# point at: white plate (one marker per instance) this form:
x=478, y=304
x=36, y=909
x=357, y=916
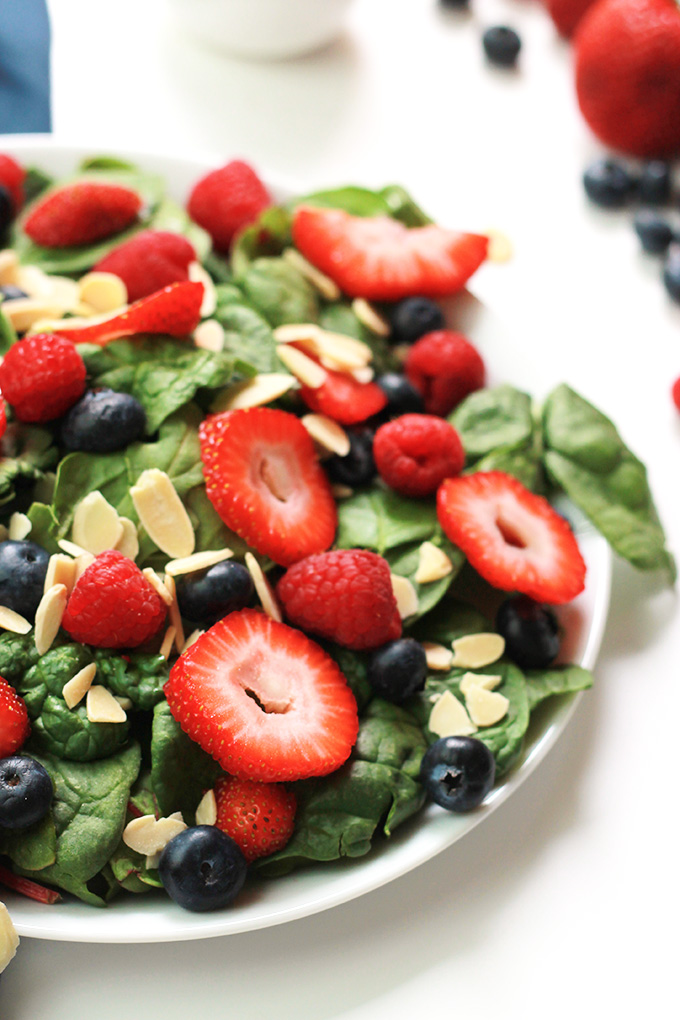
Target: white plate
x=157, y=919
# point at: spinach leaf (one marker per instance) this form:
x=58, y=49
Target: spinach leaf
x=17, y=655
x=402, y=206
x=546, y=683
x=139, y=676
x=449, y=621
x=248, y=337
x=352, y=199
x=181, y=771
x=279, y=292
x=268, y=235
x=354, y=667
x=380, y=519
x=33, y=848
x=404, y=560
x=127, y=866
x=43, y=526
x=27, y=453
x=35, y=182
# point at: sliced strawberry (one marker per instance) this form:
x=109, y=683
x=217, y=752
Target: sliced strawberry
x=380, y=259
x=265, y=701
x=264, y=479
x=512, y=537
x=175, y=310
x=342, y=397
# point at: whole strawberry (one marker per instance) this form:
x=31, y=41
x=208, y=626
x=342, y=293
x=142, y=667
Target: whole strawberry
x=12, y=177
x=149, y=261
x=14, y=724
x=81, y=213
x=41, y=377
x=227, y=200
x=258, y=816
x=628, y=75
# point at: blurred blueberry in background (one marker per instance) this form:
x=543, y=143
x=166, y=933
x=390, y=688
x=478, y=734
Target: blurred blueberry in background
x=24, y=67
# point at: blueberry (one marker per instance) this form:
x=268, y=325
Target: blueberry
x=103, y=421
x=23, y=566
x=608, y=183
x=398, y=669
x=654, y=184
x=414, y=317
x=11, y=293
x=654, y=231
x=207, y=595
x=531, y=632
x=671, y=271
x=6, y=210
x=357, y=467
x=455, y=5
x=402, y=396
x=25, y=792
x=501, y=45
x=202, y=868
x=458, y=772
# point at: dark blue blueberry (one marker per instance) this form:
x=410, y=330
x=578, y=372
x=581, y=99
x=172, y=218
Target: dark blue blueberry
x=414, y=317
x=402, y=396
x=12, y=293
x=207, y=595
x=654, y=231
x=398, y=669
x=6, y=210
x=23, y=566
x=501, y=45
x=455, y=5
x=671, y=271
x=357, y=467
x=103, y=421
x=25, y=792
x=202, y=868
x=531, y=632
x=458, y=772
x=655, y=183
x=608, y=183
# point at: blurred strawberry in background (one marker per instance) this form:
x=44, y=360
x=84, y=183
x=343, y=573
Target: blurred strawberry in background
x=566, y=14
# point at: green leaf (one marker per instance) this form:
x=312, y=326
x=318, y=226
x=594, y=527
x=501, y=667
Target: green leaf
x=127, y=866
x=279, y=292
x=546, y=683
x=31, y=849
x=35, y=182
x=43, y=527
x=352, y=199
x=380, y=519
x=17, y=655
x=449, y=621
x=139, y=676
x=181, y=771
x=248, y=337
x=269, y=235
x=402, y=206
x=490, y=419
x=27, y=452
x=354, y=667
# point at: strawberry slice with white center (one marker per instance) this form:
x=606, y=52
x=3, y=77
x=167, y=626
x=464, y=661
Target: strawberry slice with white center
x=380, y=259
x=264, y=479
x=512, y=537
x=266, y=702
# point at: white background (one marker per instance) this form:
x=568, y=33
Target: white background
x=564, y=902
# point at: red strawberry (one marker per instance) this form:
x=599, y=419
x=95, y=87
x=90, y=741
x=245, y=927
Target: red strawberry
x=416, y=452
x=12, y=177
x=380, y=259
x=149, y=261
x=266, y=702
x=81, y=213
x=566, y=14
x=345, y=595
x=175, y=310
x=264, y=479
x=259, y=817
x=342, y=397
x=444, y=367
x=628, y=75
x=42, y=376
x=113, y=605
x=512, y=537
x=227, y=200
x=14, y=724
x=675, y=393
x=3, y=417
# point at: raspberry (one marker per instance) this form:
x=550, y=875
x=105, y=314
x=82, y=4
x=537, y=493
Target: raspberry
x=259, y=817
x=226, y=200
x=12, y=179
x=149, y=261
x=113, y=605
x=416, y=452
x=444, y=367
x=14, y=724
x=41, y=377
x=345, y=595
x=81, y=213
x=675, y=392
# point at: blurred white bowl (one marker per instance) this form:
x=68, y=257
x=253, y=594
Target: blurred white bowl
x=262, y=28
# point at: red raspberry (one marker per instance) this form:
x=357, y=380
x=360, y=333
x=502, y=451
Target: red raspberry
x=42, y=376
x=14, y=724
x=444, y=367
x=81, y=213
x=259, y=817
x=345, y=595
x=12, y=178
x=416, y=452
x=226, y=200
x=113, y=605
x=675, y=392
x=149, y=261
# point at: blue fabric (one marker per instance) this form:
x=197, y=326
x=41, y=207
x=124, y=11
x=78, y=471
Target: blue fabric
x=24, y=67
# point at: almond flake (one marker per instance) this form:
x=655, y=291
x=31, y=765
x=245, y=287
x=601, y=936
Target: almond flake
x=82, y=562
x=198, y=274
x=26, y=312
x=303, y=368
x=128, y=543
x=125, y=703
x=198, y=561
x=102, y=707
x=296, y=332
x=48, y=616
x=71, y=548
x=327, y=433
x=77, y=687
x=473, y=651
x=405, y=594
x=485, y=680
x=437, y=656
x=19, y=527
x=343, y=352
x=192, y=639
x=167, y=643
x=486, y=708
x=341, y=491
x=448, y=718
x=61, y=569
x=363, y=375
x=9, y=940
x=9, y=620
x=206, y=812
x=500, y=246
x=149, y=835
x=209, y=335
x=103, y=292
x=8, y=266
x=369, y=316
x=261, y=389
x=155, y=581
x=433, y=564
x=263, y=588
x=96, y=524
x=326, y=287
x=163, y=514
x=174, y=613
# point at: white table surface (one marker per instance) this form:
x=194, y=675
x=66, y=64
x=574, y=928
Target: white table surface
x=564, y=902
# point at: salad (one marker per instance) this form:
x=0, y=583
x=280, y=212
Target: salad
x=278, y=567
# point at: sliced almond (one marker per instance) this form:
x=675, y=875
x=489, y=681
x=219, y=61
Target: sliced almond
x=198, y=275
x=433, y=564
x=168, y=642
x=8, y=267
x=163, y=514
x=330, y=436
x=193, y=637
x=326, y=287
x=125, y=703
x=500, y=246
x=197, y=561
x=449, y=718
x=61, y=569
x=209, y=335
x=9, y=940
x=60, y=292
x=156, y=582
x=363, y=375
x=103, y=292
x=206, y=812
x=296, y=332
x=303, y=368
x=256, y=392
x=82, y=562
x=19, y=527
x=173, y=612
x=128, y=543
x=341, y=491
x=149, y=835
x=26, y=312
x=264, y=590
x=437, y=656
x=486, y=708
x=9, y=620
x=369, y=316
x=343, y=352
x=474, y=651
x=405, y=594
x=77, y=687
x=71, y=548
x=102, y=707
x=486, y=680
x=96, y=524
x=48, y=616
